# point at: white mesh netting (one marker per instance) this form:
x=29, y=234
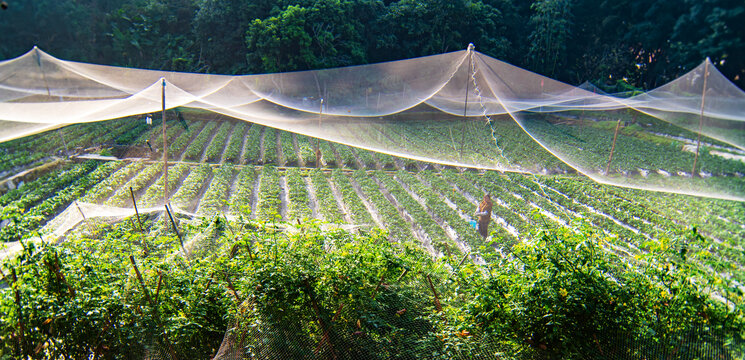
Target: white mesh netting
x=461, y=109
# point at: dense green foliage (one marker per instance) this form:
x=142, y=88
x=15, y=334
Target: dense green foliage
x=294, y=293
x=614, y=43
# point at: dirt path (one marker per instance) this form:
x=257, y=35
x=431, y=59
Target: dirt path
x=449, y=231
x=418, y=232
x=227, y=141
x=284, y=197
x=281, y=161
x=205, y=185
x=203, y=155
x=295, y=146
x=255, y=195
x=365, y=201
x=314, y=208
x=261, y=145
x=242, y=156
x=231, y=189
x=191, y=139
x=340, y=201
x=339, y=160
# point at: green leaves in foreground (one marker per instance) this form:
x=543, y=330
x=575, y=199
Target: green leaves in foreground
x=308, y=293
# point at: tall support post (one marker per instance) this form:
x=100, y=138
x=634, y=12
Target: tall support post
x=613, y=147
x=318, y=141
x=67, y=152
x=701, y=118
x=465, y=104
x=165, y=142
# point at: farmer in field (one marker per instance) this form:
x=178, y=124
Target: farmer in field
x=484, y=215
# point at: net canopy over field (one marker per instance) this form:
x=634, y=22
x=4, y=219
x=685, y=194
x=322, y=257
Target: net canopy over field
x=461, y=109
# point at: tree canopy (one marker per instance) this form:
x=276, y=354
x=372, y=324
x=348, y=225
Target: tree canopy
x=616, y=44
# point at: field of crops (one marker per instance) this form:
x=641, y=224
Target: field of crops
x=233, y=168
x=247, y=172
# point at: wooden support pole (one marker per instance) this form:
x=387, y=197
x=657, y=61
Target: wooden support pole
x=165, y=143
x=176, y=229
x=21, y=324
x=465, y=104
x=463, y=259
x=321, y=323
x=142, y=282
x=232, y=288
x=155, y=309
x=83, y=215
x=137, y=212
x=375, y=292
x=318, y=141
x=613, y=147
x=160, y=282
x=438, y=306
x=701, y=118
x=67, y=152
x=406, y=271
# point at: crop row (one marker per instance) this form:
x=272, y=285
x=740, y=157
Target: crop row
x=235, y=146
x=393, y=221
x=186, y=196
x=439, y=209
x=299, y=202
x=196, y=147
x=240, y=200
x=176, y=147
x=270, y=146
x=154, y=194
x=327, y=204
x=215, y=148
x=22, y=223
x=421, y=218
x=34, y=192
x=108, y=186
x=216, y=197
x=288, y=149
x=252, y=152
x=357, y=210
x=307, y=150
x=123, y=197
x=269, y=191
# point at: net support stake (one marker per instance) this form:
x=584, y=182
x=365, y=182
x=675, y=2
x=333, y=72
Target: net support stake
x=701, y=118
x=613, y=147
x=150, y=301
x=137, y=212
x=463, y=259
x=437, y=298
x=465, y=104
x=165, y=142
x=21, y=325
x=67, y=151
x=84, y=218
x=176, y=229
x=318, y=141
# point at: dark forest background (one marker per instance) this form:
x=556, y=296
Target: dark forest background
x=616, y=44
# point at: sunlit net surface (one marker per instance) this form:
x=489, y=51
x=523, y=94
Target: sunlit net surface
x=460, y=109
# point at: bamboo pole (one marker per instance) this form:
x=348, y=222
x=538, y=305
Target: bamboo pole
x=465, y=104
x=137, y=212
x=613, y=147
x=701, y=118
x=165, y=142
x=318, y=141
x=154, y=305
x=438, y=306
x=176, y=229
x=21, y=325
